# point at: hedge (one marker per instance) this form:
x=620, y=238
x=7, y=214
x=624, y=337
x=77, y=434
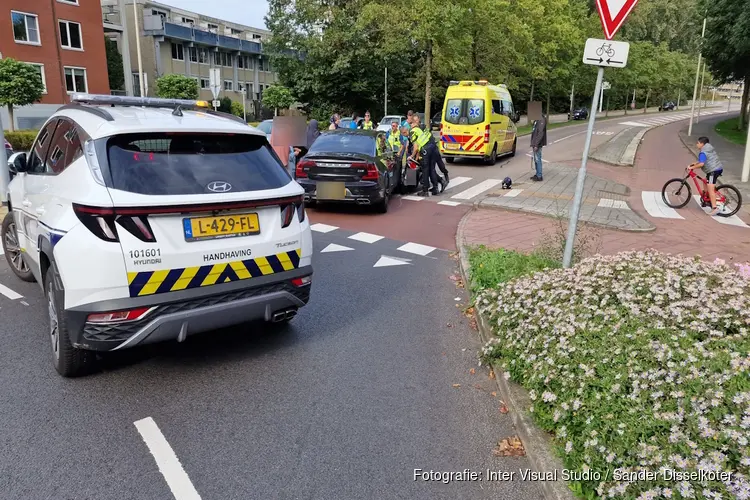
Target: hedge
x=21, y=140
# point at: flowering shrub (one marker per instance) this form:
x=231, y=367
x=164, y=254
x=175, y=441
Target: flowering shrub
x=636, y=362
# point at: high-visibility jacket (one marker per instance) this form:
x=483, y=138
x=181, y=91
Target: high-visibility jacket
x=423, y=138
x=367, y=125
x=414, y=134
x=394, y=140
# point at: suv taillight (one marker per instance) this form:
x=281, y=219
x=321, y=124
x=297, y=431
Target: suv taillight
x=487, y=134
x=288, y=212
x=101, y=222
x=300, y=171
x=372, y=171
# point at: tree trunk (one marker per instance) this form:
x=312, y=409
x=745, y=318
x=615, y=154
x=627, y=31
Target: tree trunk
x=428, y=83
x=275, y=111
x=743, y=109
x=11, y=125
x=627, y=103
x=531, y=97
x=572, y=101
x=645, y=107
x=549, y=99
x=607, y=113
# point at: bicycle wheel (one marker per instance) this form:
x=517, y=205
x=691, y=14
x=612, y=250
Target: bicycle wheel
x=733, y=200
x=676, y=193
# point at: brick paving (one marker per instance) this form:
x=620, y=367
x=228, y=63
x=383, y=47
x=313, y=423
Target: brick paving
x=662, y=156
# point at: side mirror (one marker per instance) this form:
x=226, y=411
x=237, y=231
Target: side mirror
x=17, y=163
x=516, y=117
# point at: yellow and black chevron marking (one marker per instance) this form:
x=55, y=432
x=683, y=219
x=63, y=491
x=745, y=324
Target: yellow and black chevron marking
x=172, y=280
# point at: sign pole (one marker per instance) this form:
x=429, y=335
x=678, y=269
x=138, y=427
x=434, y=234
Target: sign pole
x=697, y=77
x=244, y=105
x=138, y=51
x=746, y=163
x=700, y=97
x=578, y=198
x=4, y=174
x=385, y=110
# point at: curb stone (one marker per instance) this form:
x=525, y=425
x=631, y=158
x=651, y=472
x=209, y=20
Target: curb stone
x=628, y=159
x=537, y=443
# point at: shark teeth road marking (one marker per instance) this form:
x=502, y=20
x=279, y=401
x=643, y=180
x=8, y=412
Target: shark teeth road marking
x=656, y=207
x=323, y=228
x=449, y=203
x=386, y=261
x=168, y=463
x=412, y=198
x=333, y=247
x=417, y=249
x=729, y=221
x=9, y=293
x=366, y=237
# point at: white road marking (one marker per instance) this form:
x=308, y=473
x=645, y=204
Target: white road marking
x=513, y=193
x=457, y=182
x=1, y=251
x=323, y=228
x=333, y=247
x=635, y=124
x=417, y=249
x=729, y=221
x=531, y=156
x=366, y=237
x=449, y=203
x=412, y=198
x=168, y=463
x=9, y=293
x=391, y=261
x=477, y=189
x=608, y=203
x=24, y=303
x=656, y=207
x=568, y=137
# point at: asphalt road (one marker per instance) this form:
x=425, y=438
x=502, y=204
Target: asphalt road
x=345, y=402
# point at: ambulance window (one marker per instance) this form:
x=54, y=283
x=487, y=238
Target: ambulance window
x=475, y=111
x=507, y=108
x=497, y=107
x=454, y=110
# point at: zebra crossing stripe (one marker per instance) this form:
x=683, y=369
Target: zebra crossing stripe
x=656, y=207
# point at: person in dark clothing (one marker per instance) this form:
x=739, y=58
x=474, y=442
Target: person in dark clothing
x=538, y=141
x=312, y=132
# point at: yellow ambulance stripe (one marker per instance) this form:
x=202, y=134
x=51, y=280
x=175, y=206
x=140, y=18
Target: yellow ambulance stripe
x=184, y=280
x=153, y=284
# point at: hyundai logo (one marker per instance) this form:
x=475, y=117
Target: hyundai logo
x=219, y=187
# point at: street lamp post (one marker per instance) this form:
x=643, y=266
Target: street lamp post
x=244, y=103
x=138, y=49
x=700, y=98
x=4, y=174
x=697, y=77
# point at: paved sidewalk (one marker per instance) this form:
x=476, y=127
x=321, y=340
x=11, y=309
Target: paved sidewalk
x=621, y=150
x=604, y=201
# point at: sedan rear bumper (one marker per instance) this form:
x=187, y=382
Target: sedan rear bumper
x=360, y=193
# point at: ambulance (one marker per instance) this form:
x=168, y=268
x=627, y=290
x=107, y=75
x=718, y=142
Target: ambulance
x=478, y=121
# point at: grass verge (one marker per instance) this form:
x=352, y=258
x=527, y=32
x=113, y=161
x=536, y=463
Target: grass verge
x=729, y=130
x=492, y=267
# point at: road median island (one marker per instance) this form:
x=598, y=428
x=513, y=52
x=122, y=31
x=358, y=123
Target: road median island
x=615, y=373
x=620, y=151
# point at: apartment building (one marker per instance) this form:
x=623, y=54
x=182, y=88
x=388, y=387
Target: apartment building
x=174, y=40
x=64, y=40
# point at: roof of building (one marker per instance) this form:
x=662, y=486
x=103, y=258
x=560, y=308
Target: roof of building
x=203, y=17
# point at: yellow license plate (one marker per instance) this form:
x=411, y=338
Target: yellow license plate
x=330, y=191
x=450, y=145
x=223, y=226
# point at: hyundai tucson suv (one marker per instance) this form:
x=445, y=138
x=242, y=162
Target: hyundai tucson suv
x=148, y=220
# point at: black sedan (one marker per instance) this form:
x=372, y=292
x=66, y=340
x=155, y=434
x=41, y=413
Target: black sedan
x=349, y=166
x=668, y=106
x=580, y=114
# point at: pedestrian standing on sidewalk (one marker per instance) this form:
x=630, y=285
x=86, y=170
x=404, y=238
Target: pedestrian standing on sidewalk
x=538, y=141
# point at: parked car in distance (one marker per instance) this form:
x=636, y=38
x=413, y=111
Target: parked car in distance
x=436, y=119
x=668, y=106
x=266, y=126
x=385, y=123
x=348, y=166
x=580, y=114
x=346, y=122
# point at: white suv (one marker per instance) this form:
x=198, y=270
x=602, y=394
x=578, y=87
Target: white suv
x=147, y=220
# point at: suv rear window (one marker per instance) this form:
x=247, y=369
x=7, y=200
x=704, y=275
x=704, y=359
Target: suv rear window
x=344, y=143
x=464, y=111
x=173, y=164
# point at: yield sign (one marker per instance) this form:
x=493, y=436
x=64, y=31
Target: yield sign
x=613, y=14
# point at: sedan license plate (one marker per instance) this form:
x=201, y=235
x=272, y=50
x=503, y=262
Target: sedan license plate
x=223, y=226
x=330, y=191
x=450, y=145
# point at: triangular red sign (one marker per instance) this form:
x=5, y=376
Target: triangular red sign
x=613, y=14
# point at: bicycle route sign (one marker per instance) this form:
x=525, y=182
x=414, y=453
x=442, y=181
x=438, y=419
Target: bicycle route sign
x=613, y=14
x=606, y=53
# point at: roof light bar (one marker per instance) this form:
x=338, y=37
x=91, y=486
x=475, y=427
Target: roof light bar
x=151, y=102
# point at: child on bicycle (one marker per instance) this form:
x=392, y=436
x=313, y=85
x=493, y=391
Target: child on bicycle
x=708, y=161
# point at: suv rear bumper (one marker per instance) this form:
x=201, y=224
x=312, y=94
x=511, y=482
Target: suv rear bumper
x=177, y=314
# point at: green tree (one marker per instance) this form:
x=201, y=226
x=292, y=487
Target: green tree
x=225, y=105
x=277, y=96
x=20, y=85
x=114, y=65
x=237, y=109
x=176, y=86
x=727, y=45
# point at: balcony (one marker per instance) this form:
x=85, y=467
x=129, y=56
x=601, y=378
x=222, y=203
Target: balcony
x=111, y=19
x=157, y=26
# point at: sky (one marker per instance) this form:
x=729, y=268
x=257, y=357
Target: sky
x=247, y=12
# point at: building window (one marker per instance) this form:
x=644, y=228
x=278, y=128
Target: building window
x=193, y=53
x=205, y=83
x=75, y=80
x=203, y=56
x=228, y=85
x=159, y=13
x=70, y=35
x=25, y=27
x=71, y=2
x=235, y=32
x=187, y=20
x=178, y=52
x=256, y=37
x=224, y=59
x=213, y=27
x=40, y=68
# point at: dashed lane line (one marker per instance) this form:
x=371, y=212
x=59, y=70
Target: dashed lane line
x=169, y=465
x=4, y=290
x=366, y=237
